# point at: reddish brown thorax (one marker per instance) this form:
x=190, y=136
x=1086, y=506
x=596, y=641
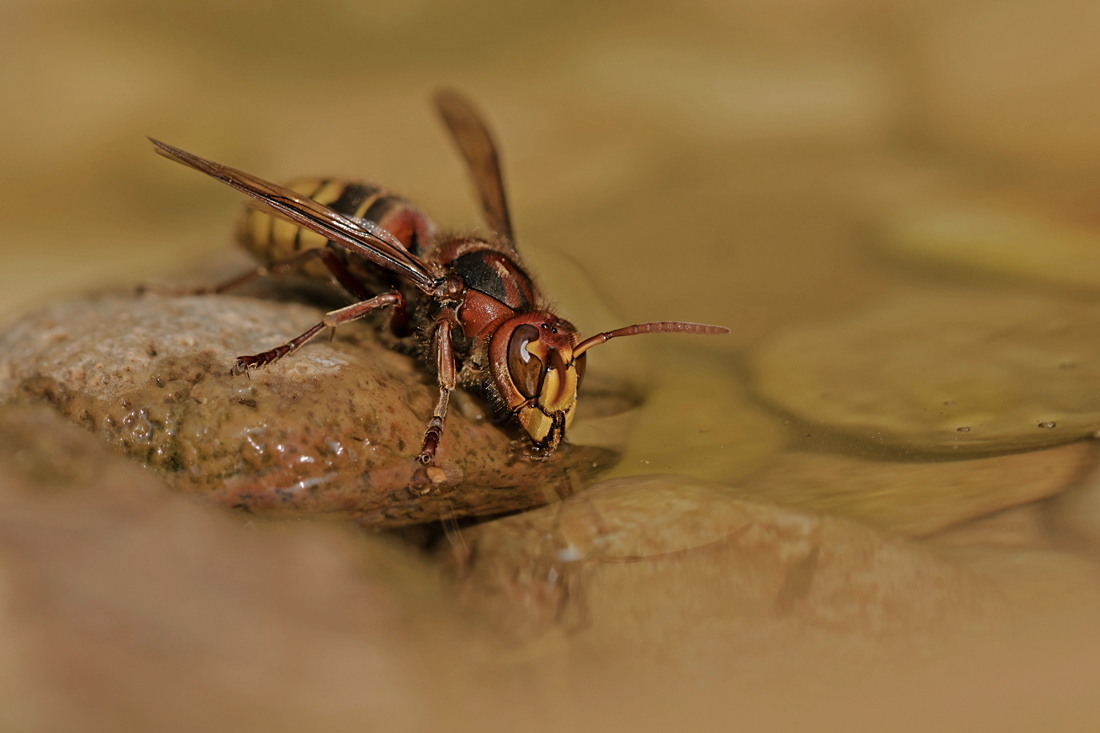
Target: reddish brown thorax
x=530, y=349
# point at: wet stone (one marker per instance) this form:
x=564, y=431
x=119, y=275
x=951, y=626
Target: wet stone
x=126, y=607
x=331, y=430
x=919, y=498
x=947, y=371
x=1038, y=580
x=669, y=563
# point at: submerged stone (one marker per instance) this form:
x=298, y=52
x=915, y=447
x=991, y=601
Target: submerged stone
x=948, y=371
x=919, y=498
x=1075, y=514
x=1024, y=527
x=333, y=429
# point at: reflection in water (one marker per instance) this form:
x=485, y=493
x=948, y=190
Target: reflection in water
x=892, y=207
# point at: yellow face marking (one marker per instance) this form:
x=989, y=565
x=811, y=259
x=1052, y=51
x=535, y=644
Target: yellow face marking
x=559, y=386
x=535, y=422
x=558, y=396
x=569, y=415
x=559, y=390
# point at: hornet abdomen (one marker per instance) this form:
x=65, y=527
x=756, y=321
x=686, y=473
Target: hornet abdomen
x=270, y=239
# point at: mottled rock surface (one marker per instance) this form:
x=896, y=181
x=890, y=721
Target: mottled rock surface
x=125, y=607
x=672, y=564
x=333, y=429
x=944, y=371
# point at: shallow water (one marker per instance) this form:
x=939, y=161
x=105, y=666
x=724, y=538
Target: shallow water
x=764, y=167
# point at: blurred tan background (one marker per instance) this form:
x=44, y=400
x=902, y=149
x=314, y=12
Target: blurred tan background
x=714, y=161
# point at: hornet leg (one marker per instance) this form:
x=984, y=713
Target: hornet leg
x=445, y=368
x=332, y=320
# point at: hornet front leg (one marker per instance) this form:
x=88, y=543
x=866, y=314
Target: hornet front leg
x=443, y=348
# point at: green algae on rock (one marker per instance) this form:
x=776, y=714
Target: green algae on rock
x=332, y=430
x=943, y=371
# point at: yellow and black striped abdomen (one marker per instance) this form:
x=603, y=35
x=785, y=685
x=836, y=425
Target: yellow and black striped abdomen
x=271, y=239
